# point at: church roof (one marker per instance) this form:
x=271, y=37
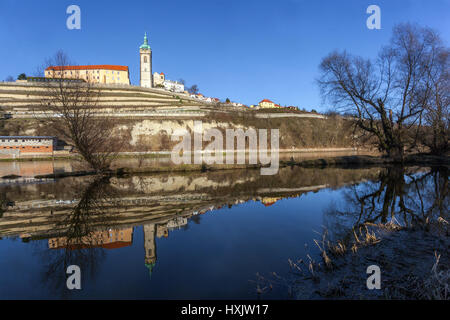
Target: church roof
x=27, y=137
x=91, y=67
x=145, y=44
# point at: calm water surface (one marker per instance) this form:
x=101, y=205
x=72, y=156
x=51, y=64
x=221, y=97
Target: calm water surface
x=197, y=235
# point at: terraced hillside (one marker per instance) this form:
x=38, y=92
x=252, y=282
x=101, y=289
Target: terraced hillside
x=147, y=118
x=21, y=100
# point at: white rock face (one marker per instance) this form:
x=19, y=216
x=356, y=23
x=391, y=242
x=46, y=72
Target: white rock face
x=155, y=127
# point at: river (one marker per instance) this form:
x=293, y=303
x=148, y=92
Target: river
x=198, y=235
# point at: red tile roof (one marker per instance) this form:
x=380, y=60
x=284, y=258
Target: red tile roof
x=266, y=100
x=102, y=66
x=116, y=245
x=111, y=245
x=162, y=73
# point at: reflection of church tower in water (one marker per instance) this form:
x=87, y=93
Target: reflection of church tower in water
x=149, y=246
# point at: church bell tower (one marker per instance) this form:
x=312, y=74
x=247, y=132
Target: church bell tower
x=146, y=79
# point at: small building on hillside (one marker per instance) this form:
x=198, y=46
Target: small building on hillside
x=27, y=144
x=266, y=103
x=160, y=81
x=108, y=74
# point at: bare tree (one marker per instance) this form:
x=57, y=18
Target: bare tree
x=69, y=107
x=193, y=89
x=435, y=134
x=386, y=97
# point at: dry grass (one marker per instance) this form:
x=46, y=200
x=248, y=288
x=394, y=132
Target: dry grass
x=436, y=286
x=401, y=251
x=336, y=273
x=362, y=237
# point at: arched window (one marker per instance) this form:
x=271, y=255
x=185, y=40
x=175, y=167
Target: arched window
x=145, y=59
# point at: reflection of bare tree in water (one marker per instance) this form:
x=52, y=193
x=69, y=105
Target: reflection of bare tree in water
x=79, y=241
x=3, y=204
x=428, y=196
x=407, y=198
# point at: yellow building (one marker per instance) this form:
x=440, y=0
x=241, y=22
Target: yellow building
x=108, y=239
x=108, y=74
x=266, y=103
x=268, y=201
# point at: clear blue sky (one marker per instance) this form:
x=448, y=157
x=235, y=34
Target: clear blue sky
x=242, y=49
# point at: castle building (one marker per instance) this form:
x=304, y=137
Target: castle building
x=108, y=239
x=108, y=74
x=146, y=78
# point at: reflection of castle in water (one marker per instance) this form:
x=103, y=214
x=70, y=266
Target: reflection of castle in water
x=108, y=239
x=119, y=238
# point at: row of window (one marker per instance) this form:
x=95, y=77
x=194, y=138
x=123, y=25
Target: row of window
x=24, y=147
x=87, y=71
x=23, y=140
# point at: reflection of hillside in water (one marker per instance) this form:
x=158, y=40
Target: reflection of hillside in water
x=40, y=210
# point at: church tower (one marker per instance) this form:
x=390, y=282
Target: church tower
x=145, y=52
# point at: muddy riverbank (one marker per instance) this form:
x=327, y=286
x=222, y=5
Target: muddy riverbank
x=414, y=264
x=341, y=161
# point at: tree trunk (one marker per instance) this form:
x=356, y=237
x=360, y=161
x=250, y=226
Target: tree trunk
x=396, y=153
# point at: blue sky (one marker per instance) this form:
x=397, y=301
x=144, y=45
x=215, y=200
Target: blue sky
x=241, y=49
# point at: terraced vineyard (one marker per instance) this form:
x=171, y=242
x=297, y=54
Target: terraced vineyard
x=21, y=100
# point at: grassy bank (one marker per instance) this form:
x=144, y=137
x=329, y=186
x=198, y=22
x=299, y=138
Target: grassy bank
x=413, y=261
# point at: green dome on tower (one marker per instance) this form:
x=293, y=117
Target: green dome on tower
x=145, y=44
x=150, y=266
